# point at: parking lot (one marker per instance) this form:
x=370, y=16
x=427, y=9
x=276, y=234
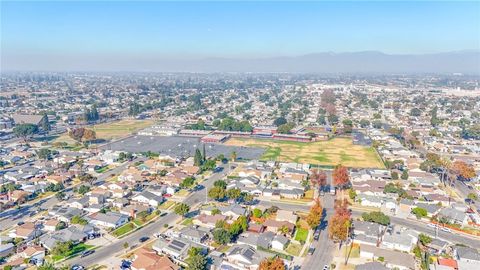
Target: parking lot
x=181, y=147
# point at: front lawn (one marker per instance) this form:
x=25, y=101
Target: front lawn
x=74, y=251
x=301, y=235
x=294, y=249
x=187, y=222
x=123, y=229
x=182, y=193
x=166, y=205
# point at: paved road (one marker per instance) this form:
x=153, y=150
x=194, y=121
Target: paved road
x=11, y=217
x=324, y=247
x=105, y=252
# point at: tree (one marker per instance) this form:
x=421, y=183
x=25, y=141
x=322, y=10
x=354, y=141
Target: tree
x=234, y=193
x=352, y=194
x=404, y=175
x=196, y=260
x=182, y=209
x=318, y=178
x=415, y=112
x=280, y=121
x=472, y=196
x=347, y=125
x=340, y=176
x=424, y=239
x=285, y=128
x=257, y=213
x=217, y=193
x=60, y=196
x=419, y=212
x=60, y=225
x=315, y=214
x=220, y=183
x=87, y=178
x=364, y=123
x=275, y=263
x=463, y=170
x=25, y=131
x=395, y=175
x=82, y=134
x=61, y=248
x=221, y=236
x=377, y=217
x=125, y=245
x=338, y=227
x=82, y=190
x=44, y=123
x=44, y=153
x=78, y=220
x=197, y=159
x=187, y=182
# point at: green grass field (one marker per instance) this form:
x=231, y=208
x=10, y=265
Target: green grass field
x=332, y=152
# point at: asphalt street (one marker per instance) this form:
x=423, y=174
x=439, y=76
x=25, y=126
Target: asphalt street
x=105, y=252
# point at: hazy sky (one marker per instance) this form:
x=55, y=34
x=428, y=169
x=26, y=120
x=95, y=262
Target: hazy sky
x=53, y=34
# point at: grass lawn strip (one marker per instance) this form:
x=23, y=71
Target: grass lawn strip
x=301, y=234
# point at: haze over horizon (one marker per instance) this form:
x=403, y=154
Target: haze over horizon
x=241, y=36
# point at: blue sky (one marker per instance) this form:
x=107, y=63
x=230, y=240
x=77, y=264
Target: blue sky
x=235, y=29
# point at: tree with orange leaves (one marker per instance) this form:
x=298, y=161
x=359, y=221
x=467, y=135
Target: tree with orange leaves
x=341, y=207
x=315, y=214
x=275, y=263
x=339, y=223
x=318, y=178
x=340, y=176
x=463, y=170
x=338, y=227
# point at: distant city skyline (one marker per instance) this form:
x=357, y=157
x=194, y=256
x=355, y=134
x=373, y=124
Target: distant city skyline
x=85, y=35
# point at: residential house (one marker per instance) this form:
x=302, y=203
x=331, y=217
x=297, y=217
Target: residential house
x=146, y=259
x=148, y=198
x=392, y=259
x=110, y=219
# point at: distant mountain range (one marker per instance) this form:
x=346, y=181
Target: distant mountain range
x=367, y=62
x=467, y=62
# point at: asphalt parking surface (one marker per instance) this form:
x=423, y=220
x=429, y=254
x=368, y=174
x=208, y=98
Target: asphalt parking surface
x=180, y=146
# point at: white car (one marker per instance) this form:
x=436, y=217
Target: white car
x=432, y=225
x=446, y=229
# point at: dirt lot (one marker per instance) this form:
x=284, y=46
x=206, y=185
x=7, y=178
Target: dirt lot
x=331, y=152
x=114, y=130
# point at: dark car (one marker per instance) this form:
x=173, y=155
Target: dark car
x=198, y=187
x=77, y=267
x=218, y=169
x=311, y=250
x=143, y=239
x=20, y=223
x=87, y=252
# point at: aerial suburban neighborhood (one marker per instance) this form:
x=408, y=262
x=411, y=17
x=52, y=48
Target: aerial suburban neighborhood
x=223, y=171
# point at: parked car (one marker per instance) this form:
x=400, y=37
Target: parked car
x=87, y=252
x=143, y=239
x=311, y=250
